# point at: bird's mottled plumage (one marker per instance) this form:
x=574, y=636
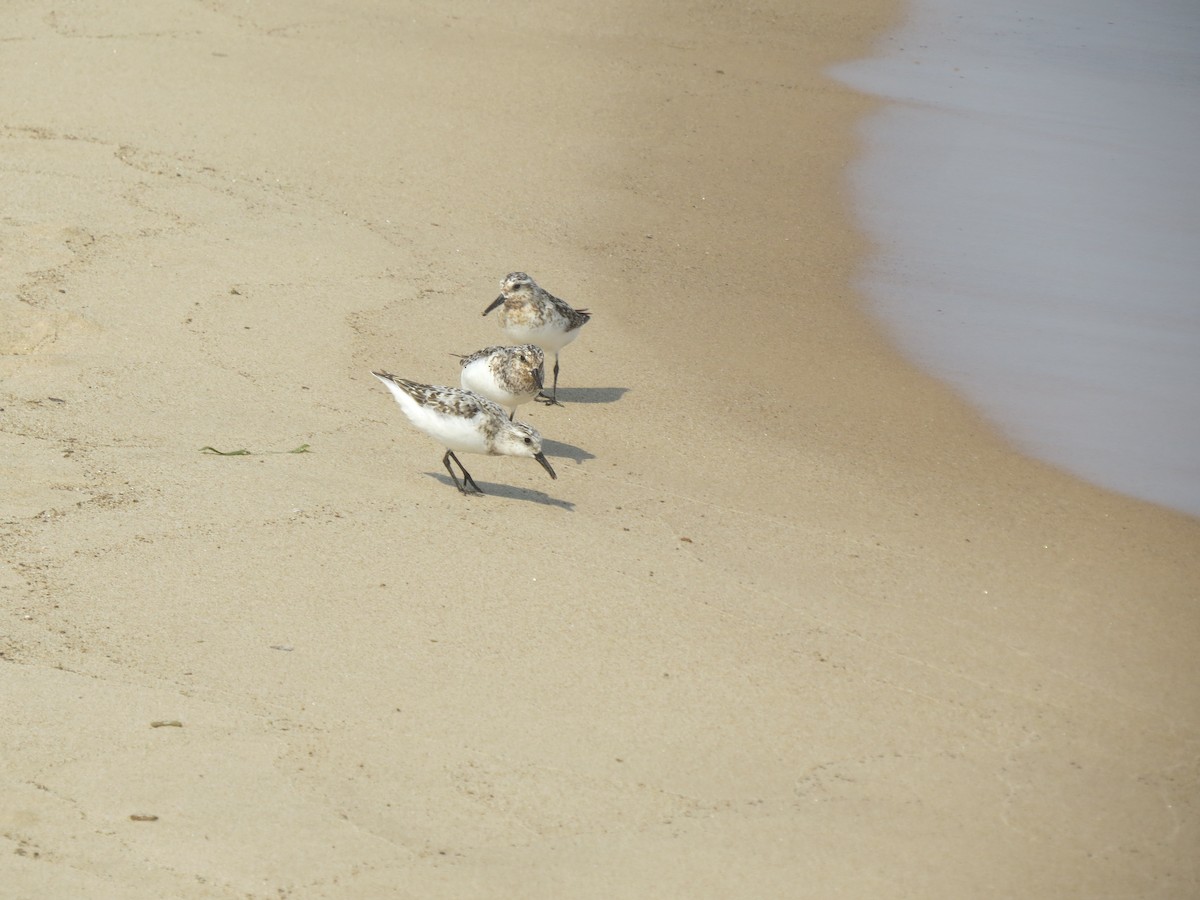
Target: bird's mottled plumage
x=530, y=314
x=464, y=421
x=509, y=376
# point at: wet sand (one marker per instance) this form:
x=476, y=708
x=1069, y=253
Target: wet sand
x=792, y=621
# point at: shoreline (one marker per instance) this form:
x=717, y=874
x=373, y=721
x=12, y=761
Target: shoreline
x=791, y=614
x=1028, y=192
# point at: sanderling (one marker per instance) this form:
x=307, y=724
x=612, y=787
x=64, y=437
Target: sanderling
x=464, y=421
x=530, y=314
x=509, y=376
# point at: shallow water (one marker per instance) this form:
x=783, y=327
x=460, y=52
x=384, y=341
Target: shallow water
x=1033, y=190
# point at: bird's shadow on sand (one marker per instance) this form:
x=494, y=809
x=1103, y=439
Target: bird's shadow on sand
x=508, y=491
x=591, y=395
x=557, y=449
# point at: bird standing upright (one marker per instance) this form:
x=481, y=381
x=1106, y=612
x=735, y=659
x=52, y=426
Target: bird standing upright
x=531, y=315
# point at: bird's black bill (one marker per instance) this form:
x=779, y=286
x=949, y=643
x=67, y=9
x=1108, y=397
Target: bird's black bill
x=541, y=457
x=538, y=380
x=494, y=304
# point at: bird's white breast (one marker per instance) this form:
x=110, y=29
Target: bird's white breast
x=551, y=335
x=477, y=376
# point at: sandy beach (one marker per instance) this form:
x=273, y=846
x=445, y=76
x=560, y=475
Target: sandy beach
x=792, y=621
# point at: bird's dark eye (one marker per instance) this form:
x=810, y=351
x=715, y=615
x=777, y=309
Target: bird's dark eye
x=528, y=441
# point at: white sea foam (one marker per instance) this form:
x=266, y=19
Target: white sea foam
x=1033, y=191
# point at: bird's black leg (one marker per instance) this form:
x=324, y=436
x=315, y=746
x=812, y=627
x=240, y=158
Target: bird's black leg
x=552, y=400
x=446, y=463
x=466, y=475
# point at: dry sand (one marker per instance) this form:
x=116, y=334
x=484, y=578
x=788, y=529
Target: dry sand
x=792, y=621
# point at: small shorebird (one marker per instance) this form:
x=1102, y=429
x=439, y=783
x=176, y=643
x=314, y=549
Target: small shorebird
x=532, y=315
x=509, y=376
x=461, y=420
